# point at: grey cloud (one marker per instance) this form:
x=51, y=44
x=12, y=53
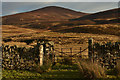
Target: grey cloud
x=60, y=1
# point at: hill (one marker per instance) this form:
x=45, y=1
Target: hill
x=50, y=13
x=104, y=17
x=55, y=24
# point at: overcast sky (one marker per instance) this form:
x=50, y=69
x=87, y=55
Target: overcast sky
x=9, y=8
x=60, y=0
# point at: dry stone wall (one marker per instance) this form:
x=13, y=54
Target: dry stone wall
x=14, y=57
x=19, y=57
x=106, y=54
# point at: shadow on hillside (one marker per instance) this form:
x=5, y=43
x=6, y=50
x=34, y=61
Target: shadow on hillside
x=92, y=30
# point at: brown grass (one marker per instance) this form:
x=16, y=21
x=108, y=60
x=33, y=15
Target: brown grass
x=61, y=40
x=91, y=70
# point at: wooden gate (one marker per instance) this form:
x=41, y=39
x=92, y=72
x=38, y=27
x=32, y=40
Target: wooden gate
x=68, y=55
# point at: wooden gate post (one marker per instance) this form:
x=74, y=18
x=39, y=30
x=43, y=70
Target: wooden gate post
x=62, y=54
x=71, y=54
x=41, y=54
x=53, y=55
x=90, y=47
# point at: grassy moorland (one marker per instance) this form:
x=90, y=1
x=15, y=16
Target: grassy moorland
x=14, y=35
x=61, y=37
x=67, y=29
x=63, y=72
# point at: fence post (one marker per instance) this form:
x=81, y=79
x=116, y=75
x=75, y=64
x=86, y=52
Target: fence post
x=44, y=48
x=41, y=54
x=71, y=54
x=90, y=47
x=53, y=55
x=80, y=49
x=80, y=52
x=62, y=54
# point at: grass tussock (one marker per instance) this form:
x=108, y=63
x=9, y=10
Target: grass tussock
x=46, y=67
x=90, y=70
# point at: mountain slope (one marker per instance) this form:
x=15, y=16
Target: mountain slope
x=50, y=13
x=102, y=17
